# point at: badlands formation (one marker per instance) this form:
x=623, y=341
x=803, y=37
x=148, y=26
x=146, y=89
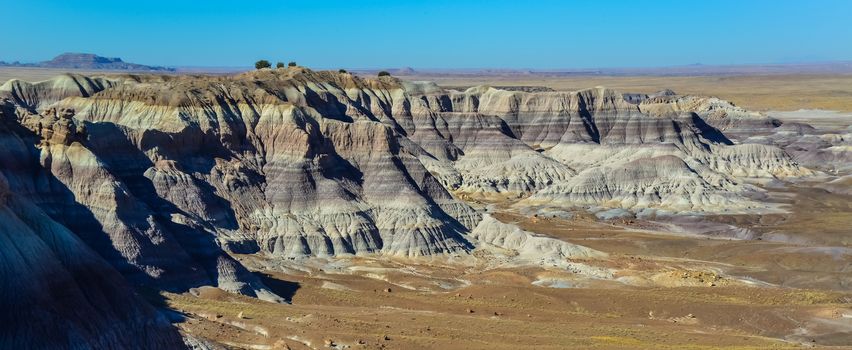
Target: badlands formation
x=171, y=185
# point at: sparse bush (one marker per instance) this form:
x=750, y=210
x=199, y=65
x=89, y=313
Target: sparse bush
x=292, y=64
x=262, y=64
x=279, y=65
x=384, y=74
x=342, y=71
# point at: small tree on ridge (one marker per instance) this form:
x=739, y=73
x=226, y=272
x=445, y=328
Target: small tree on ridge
x=262, y=64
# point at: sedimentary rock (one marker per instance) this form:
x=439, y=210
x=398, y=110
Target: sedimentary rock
x=55, y=291
x=665, y=181
x=736, y=122
x=293, y=163
x=166, y=178
x=41, y=94
x=527, y=246
x=49, y=163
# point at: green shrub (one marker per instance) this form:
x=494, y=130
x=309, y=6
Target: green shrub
x=262, y=64
x=279, y=65
x=384, y=74
x=342, y=71
x=292, y=64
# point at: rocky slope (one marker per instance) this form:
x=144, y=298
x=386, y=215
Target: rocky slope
x=293, y=162
x=55, y=291
x=735, y=122
x=598, y=131
x=32, y=95
x=828, y=150
x=527, y=247
x=166, y=177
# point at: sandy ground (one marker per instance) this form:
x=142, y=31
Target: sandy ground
x=503, y=309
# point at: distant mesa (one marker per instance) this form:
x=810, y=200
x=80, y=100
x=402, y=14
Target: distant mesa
x=87, y=61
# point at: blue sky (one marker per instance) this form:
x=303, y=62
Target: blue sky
x=432, y=34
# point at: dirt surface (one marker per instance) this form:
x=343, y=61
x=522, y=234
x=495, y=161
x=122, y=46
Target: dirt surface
x=502, y=309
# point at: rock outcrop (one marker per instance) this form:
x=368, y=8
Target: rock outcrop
x=528, y=247
x=824, y=150
x=35, y=95
x=166, y=176
x=665, y=181
x=55, y=291
x=737, y=123
x=49, y=163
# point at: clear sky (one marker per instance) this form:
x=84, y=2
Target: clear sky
x=538, y=34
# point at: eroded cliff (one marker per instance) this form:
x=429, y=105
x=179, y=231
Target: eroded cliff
x=166, y=176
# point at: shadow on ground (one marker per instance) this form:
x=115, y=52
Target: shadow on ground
x=284, y=289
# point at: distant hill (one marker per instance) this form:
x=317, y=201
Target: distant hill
x=87, y=61
x=695, y=69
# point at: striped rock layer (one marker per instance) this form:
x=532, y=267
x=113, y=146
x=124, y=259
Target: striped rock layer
x=163, y=178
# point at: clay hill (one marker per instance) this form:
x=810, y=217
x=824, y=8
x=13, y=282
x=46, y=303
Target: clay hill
x=87, y=61
x=108, y=182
